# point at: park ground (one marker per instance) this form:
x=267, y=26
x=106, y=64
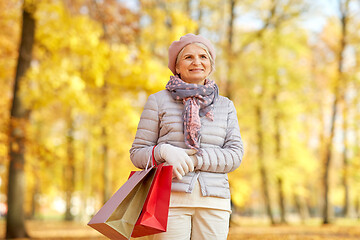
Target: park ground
x=241, y=229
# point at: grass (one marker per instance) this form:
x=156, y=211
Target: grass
x=241, y=229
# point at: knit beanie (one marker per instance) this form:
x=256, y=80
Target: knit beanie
x=176, y=47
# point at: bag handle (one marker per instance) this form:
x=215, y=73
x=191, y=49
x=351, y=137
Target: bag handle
x=153, y=159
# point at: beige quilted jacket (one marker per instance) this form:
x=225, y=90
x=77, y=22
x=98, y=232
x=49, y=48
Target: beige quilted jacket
x=161, y=122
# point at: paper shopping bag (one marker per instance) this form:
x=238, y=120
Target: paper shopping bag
x=117, y=218
x=154, y=215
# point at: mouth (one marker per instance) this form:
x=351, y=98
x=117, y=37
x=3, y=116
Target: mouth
x=196, y=70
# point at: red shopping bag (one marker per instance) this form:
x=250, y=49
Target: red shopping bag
x=154, y=215
x=117, y=218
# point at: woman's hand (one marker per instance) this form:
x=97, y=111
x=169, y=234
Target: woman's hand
x=178, y=158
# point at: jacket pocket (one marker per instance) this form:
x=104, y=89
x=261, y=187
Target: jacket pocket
x=217, y=180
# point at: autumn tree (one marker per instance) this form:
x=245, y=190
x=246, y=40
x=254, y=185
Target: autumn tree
x=95, y=62
x=15, y=220
x=338, y=85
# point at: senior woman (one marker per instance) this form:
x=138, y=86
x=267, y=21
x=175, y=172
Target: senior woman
x=196, y=131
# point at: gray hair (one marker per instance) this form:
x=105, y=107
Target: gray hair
x=212, y=62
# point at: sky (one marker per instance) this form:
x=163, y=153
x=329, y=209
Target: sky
x=319, y=10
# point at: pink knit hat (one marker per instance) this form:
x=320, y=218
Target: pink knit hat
x=176, y=47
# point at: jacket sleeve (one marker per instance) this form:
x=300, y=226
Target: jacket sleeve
x=228, y=157
x=147, y=135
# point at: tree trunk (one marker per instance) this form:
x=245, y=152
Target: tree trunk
x=328, y=150
x=106, y=169
x=281, y=200
x=188, y=8
x=105, y=152
x=262, y=169
x=345, y=179
x=327, y=159
x=278, y=149
x=200, y=9
x=34, y=199
x=69, y=171
x=87, y=166
x=104, y=136
x=357, y=207
x=15, y=220
x=356, y=102
x=230, y=56
x=35, y=171
x=278, y=157
x=301, y=207
x=188, y=11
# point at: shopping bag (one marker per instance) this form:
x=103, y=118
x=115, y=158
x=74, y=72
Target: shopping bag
x=154, y=215
x=117, y=218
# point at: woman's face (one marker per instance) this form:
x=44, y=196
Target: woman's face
x=194, y=65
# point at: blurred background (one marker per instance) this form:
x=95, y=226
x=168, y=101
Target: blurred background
x=71, y=100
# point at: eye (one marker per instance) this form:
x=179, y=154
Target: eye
x=188, y=57
x=204, y=56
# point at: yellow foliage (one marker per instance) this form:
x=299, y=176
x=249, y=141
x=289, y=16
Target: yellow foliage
x=90, y=87
x=240, y=192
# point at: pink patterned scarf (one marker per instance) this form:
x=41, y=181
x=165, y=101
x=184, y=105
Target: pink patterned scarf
x=198, y=101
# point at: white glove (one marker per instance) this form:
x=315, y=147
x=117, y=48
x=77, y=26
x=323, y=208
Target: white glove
x=178, y=158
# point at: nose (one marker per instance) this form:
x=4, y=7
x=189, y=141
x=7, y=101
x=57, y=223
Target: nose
x=196, y=61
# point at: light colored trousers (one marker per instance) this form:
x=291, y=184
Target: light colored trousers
x=187, y=223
